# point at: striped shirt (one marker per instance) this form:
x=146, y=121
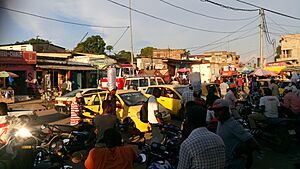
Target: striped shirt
x=75, y=110
x=187, y=96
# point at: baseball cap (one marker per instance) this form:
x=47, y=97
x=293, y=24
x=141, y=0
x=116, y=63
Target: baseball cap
x=78, y=95
x=220, y=103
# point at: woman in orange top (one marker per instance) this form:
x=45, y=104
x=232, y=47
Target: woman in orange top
x=113, y=156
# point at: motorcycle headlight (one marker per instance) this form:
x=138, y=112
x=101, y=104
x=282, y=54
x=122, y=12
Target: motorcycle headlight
x=23, y=133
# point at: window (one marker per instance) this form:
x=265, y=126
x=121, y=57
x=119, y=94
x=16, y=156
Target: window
x=96, y=101
x=149, y=90
x=133, y=98
x=160, y=81
x=143, y=82
x=152, y=82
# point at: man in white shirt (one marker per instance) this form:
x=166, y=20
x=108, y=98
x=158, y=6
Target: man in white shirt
x=269, y=104
x=153, y=116
x=224, y=86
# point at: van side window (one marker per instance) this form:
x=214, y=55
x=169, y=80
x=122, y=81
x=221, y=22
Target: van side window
x=160, y=81
x=152, y=82
x=143, y=82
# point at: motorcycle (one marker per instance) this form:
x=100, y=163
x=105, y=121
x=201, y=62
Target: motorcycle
x=18, y=149
x=59, y=144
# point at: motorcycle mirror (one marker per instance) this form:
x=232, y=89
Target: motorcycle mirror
x=43, y=126
x=142, y=158
x=76, y=157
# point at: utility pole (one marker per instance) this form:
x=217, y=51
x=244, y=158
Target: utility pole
x=262, y=26
x=131, y=40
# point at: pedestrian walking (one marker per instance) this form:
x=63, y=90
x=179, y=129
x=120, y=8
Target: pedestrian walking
x=154, y=116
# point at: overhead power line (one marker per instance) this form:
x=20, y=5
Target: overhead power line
x=282, y=28
x=120, y=37
x=295, y=26
x=61, y=21
x=223, y=42
x=226, y=35
x=229, y=7
x=269, y=10
x=211, y=17
x=170, y=22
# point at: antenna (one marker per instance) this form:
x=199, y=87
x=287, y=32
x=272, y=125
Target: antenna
x=84, y=37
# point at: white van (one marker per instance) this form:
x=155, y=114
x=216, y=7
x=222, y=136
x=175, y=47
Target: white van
x=141, y=83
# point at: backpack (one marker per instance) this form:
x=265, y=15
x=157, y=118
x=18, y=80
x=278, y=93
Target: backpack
x=144, y=112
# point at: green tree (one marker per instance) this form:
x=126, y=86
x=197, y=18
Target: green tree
x=93, y=44
x=123, y=56
x=147, y=52
x=109, y=48
x=35, y=41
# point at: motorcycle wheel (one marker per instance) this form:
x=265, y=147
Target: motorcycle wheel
x=39, y=156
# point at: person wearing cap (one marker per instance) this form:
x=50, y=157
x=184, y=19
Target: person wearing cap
x=291, y=103
x=76, y=109
x=239, y=144
x=231, y=99
x=202, y=148
x=269, y=105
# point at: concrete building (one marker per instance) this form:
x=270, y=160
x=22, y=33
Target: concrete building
x=41, y=47
x=290, y=49
x=169, y=53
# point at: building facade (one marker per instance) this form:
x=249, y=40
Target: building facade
x=290, y=49
x=169, y=53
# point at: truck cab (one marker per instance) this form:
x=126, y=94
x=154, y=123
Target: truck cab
x=122, y=72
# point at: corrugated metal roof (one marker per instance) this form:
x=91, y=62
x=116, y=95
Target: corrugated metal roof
x=62, y=67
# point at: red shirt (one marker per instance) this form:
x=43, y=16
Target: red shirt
x=240, y=81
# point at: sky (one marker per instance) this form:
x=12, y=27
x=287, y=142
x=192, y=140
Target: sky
x=193, y=31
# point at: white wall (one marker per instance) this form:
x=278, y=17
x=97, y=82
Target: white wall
x=24, y=47
x=204, y=70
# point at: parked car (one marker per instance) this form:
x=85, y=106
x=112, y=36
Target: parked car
x=63, y=103
x=24, y=116
x=170, y=97
x=129, y=103
x=141, y=83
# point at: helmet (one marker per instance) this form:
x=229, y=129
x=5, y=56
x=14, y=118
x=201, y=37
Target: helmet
x=162, y=164
x=78, y=95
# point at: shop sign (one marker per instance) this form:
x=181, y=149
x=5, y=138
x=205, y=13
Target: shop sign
x=276, y=64
x=17, y=57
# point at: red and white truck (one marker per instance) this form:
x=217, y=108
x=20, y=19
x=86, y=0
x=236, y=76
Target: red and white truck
x=122, y=72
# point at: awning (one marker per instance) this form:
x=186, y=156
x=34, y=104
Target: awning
x=63, y=67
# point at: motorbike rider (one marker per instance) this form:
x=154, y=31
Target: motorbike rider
x=230, y=97
x=269, y=105
x=114, y=155
x=291, y=106
x=239, y=144
x=202, y=148
x=104, y=121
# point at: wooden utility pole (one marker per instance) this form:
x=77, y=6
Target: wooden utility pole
x=131, y=40
x=262, y=26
